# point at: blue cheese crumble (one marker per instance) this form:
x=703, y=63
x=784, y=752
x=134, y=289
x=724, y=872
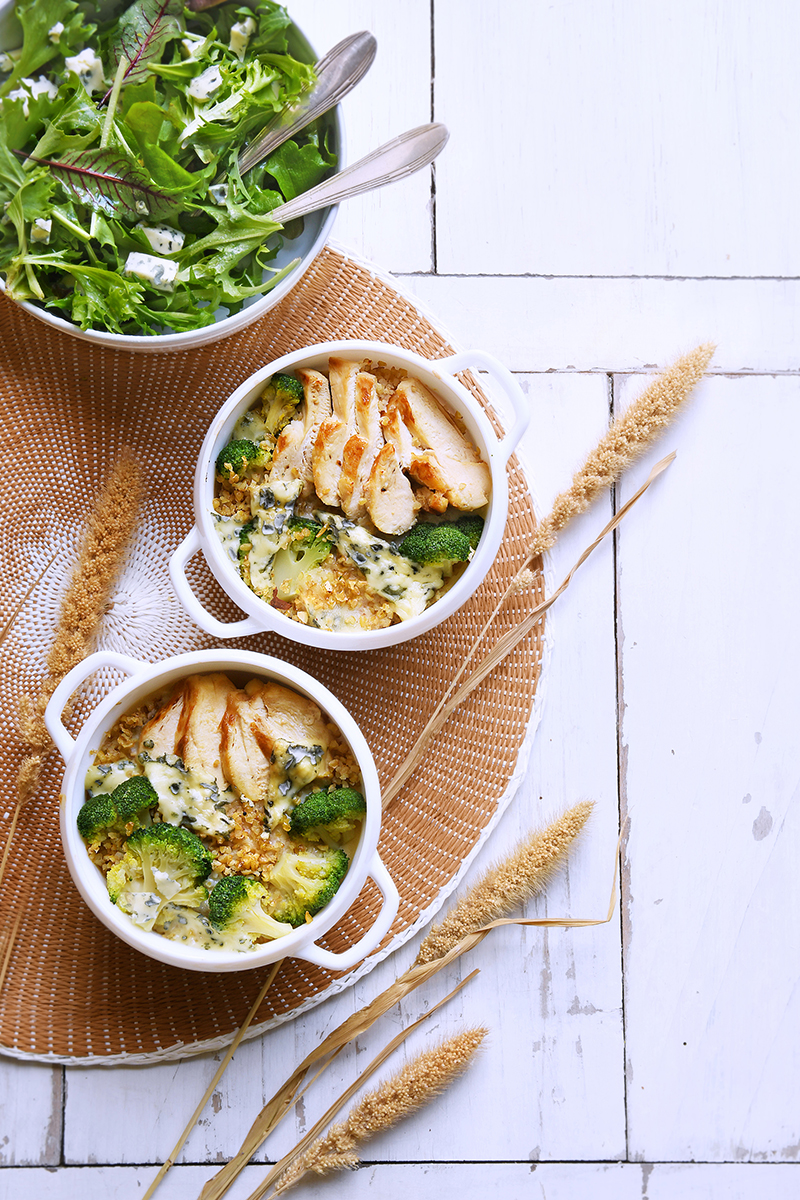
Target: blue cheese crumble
x=163, y=239
x=160, y=273
x=89, y=69
x=241, y=32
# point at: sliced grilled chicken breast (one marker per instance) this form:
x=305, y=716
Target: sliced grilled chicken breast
x=207, y=699
x=335, y=431
x=295, y=446
x=442, y=458
x=161, y=735
x=390, y=499
x=244, y=760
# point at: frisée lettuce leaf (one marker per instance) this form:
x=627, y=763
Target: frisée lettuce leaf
x=121, y=202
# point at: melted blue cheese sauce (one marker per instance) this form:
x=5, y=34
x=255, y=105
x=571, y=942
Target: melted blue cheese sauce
x=181, y=924
x=104, y=778
x=185, y=797
x=228, y=530
x=270, y=509
x=250, y=427
x=406, y=585
x=142, y=907
x=293, y=768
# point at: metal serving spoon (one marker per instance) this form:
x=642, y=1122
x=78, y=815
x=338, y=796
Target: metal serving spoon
x=401, y=156
x=337, y=74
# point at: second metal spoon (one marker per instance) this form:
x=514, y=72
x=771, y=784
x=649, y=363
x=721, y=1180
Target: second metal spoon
x=401, y=156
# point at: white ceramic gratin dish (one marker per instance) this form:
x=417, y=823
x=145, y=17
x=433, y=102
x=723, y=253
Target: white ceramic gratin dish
x=78, y=754
x=439, y=377
x=316, y=231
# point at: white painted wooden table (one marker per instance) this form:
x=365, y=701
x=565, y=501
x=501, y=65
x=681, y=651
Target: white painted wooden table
x=621, y=183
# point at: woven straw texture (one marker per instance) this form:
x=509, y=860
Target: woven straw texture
x=73, y=991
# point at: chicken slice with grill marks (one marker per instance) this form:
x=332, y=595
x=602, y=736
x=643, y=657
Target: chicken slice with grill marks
x=163, y=732
x=283, y=720
x=207, y=699
x=353, y=454
x=335, y=431
x=443, y=458
x=245, y=762
x=390, y=499
x=362, y=449
x=397, y=433
x=295, y=446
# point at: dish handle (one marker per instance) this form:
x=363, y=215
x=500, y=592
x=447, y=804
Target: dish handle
x=468, y=359
x=71, y=682
x=177, y=573
x=374, y=935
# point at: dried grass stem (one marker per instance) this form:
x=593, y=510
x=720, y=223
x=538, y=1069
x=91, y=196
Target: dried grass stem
x=523, y=874
x=414, y=1085
x=628, y=437
x=520, y=875
x=105, y=541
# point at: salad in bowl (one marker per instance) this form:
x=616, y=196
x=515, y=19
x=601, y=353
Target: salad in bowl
x=123, y=209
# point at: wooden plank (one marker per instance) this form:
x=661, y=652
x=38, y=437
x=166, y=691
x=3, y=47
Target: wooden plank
x=31, y=1097
x=618, y=324
x=569, y=1034
x=450, y=1181
x=709, y=640
x=617, y=139
x=391, y=226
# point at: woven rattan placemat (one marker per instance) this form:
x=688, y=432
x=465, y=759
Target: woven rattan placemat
x=73, y=991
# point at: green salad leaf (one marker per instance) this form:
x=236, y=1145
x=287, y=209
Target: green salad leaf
x=109, y=182
x=121, y=202
x=142, y=34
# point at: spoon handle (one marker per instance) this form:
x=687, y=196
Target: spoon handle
x=337, y=73
x=402, y=156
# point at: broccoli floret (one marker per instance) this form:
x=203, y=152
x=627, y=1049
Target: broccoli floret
x=162, y=864
x=237, y=456
x=304, y=527
x=307, y=878
x=472, y=526
x=429, y=543
x=115, y=811
x=245, y=540
x=335, y=813
x=309, y=546
x=237, y=905
x=280, y=399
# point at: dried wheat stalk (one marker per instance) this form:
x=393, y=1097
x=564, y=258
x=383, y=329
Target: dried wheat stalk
x=627, y=438
x=105, y=541
x=415, y=1084
x=316, y=1130
x=457, y=692
x=530, y=872
x=220, y=1071
x=523, y=874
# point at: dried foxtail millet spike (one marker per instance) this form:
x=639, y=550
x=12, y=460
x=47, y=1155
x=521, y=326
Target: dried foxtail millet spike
x=414, y=1085
x=523, y=874
x=105, y=541
x=627, y=438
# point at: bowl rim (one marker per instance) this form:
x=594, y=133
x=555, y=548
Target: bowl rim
x=456, y=397
x=250, y=313
x=87, y=876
